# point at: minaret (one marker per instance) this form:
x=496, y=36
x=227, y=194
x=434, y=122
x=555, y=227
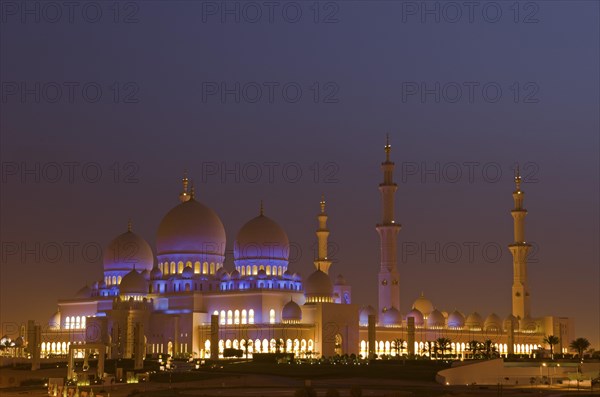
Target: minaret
x=389, y=289
x=519, y=250
x=184, y=196
x=322, y=262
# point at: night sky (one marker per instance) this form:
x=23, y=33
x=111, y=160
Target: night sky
x=303, y=93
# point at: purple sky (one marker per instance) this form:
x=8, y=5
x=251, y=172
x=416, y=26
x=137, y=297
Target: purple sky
x=502, y=84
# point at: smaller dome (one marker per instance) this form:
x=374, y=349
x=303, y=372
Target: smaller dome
x=291, y=312
x=417, y=315
x=340, y=280
x=84, y=292
x=456, y=320
x=262, y=274
x=474, y=321
x=155, y=273
x=511, y=320
x=392, y=317
x=288, y=275
x=318, y=284
x=133, y=283
x=54, y=321
x=436, y=319
x=529, y=325
x=146, y=274
x=423, y=305
x=364, y=314
x=296, y=277
x=220, y=272
x=235, y=275
x=492, y=322
x=187, y=273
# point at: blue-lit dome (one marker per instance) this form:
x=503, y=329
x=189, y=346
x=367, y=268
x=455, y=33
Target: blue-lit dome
x=418, y=316
x=191, y=228
x=364, y=314
x=262, y=241
x=126, y=252
x=391, y=317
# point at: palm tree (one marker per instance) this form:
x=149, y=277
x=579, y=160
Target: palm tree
x=474, y=347
x=398, y=344
x=580, y=345
x=443, y=345
x=489, y=350
x=551, y=340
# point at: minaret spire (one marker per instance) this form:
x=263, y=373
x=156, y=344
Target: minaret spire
x=519, y=250
x=322, y=262
x=262, y=208
x=184, y=196
x=388, y=229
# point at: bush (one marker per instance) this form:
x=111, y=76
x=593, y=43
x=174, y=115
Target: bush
x=332, y=393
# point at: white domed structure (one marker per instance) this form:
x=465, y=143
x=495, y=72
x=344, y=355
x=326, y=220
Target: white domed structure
x=261, y=242
x=133, y=284
x=155, y=273
x=456, y=320
x=365, y=312
x=318, y=287
x=418, y=316
x=423, y=305
x=436, y=319
x=291, y=312
x=492, y=323
x=391, y=317
x=124, y=253
x=190, y=232
x=55, y=321
x=474, y=321
x=187, y=273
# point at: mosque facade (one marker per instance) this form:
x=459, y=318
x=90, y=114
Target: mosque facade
x=181, y=301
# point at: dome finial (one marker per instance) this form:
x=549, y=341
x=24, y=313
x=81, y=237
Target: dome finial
x=322, y=203
x=129, y=225
x=262, y=208
x=184, y=196
x=388, y=147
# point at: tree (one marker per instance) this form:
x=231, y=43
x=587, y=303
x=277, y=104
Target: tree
x=398, y=344
x=579, y=345
x=443, y=345
x=474, y=347
x=488, y=349
x=551, y=340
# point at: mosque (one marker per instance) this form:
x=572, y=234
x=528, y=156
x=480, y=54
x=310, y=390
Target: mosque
x=181, y=301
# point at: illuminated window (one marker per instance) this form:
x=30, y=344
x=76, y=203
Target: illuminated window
x=236, y=317
x=180, y=267
x=272, y=316
x=173, y=270
x=251, y=316
x=114, y=280
x=242, y=271
x=83, y=322
x=205, y=268
x=254, y=270
x=68, y=323
x=244, y=317
x=223, y=318
x=268, y=270
x=248, y=270
x=197, y=268
x=212, y=268
x=229, y=317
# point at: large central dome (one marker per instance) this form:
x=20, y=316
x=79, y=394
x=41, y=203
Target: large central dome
x=191, y=228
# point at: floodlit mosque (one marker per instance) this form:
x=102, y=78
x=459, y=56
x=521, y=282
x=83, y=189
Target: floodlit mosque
x=181, y=301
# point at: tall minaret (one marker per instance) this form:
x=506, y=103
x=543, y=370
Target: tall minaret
x=519, y=250
x=389, y=289
x=322, y=262
x=184, y=196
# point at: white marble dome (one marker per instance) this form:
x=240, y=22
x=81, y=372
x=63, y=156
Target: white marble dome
x=318, y=285
x=436, y=319
x=423, y=305
x=474, y=321
x=417, y=315
x=133, y=283
x=261, y=239
x=128, y=251
x=191, y=228
x=291, y=312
